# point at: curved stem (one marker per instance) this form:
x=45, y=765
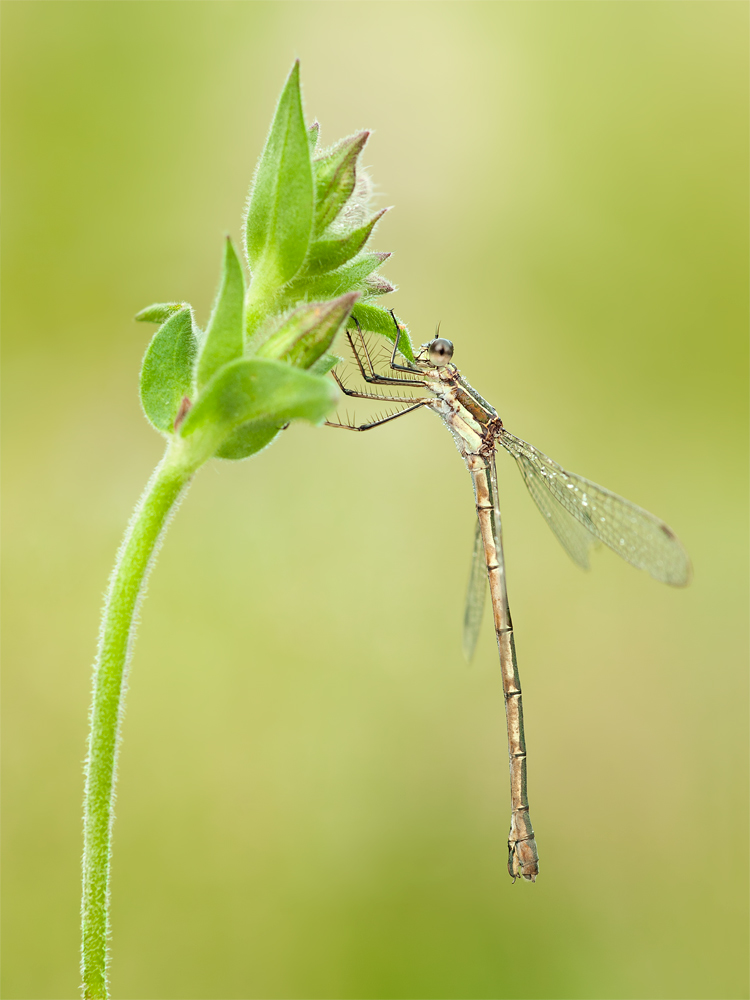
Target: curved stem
x=116, y=637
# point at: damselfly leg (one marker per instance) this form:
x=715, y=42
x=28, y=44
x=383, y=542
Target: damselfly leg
x=370, y=375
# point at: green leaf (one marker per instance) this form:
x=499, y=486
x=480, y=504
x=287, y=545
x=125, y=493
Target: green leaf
x=313, y=134
x=280, y=213
x=252, y=389
x=348, y=278
x=325, y=255
x=167, y=371
x=377, y=320
x=324, y=364
x=249, y=439
x=224, y=340
x=160, y=312
x=308, y=332
x=335, y=177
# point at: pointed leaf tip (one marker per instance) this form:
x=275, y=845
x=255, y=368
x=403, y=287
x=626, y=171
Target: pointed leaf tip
x=348, y=278
x=159, y=312
x=377, y=285
x=280, y=211
x=335, y=179
x=327, y=255
x=309, y=331
x=224, y=340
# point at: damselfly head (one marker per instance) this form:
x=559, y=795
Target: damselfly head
x=440, y=351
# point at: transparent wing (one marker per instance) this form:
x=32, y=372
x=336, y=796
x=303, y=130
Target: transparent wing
x=580, y=513
x=572, y=535
x=475, y=597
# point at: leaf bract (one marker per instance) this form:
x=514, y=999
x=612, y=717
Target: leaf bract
x=350, y=277
x=167, y=371
x=335, y=178
x=251, y=389
x=224, y=338
x=308, y=332
x=326, y=255
x=280, y=212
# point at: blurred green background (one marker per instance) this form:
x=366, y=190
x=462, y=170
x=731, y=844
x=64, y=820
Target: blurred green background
x=313, y=796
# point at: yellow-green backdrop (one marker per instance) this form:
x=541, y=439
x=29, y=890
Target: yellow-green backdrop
x=313, y=793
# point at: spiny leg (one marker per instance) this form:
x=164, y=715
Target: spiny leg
x=373, y=377
x=363, y=342
x=375, y=395
x=394, y=366
x=385, y=378
x=377, y=423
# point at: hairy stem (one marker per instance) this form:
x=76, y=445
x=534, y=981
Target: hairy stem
x=116, y=637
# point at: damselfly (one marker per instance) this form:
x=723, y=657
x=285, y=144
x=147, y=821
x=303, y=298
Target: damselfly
x=579, y=512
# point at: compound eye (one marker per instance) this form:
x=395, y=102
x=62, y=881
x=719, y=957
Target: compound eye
x=440, y=352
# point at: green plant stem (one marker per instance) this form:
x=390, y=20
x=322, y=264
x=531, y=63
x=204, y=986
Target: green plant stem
x=116, y=638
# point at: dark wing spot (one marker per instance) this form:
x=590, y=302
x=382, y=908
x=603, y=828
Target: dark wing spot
x=667, y=531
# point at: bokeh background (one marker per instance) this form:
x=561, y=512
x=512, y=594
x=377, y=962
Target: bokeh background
x=313, y=794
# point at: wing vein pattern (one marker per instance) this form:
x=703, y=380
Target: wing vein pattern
x=581, y=513
x=476, y=593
